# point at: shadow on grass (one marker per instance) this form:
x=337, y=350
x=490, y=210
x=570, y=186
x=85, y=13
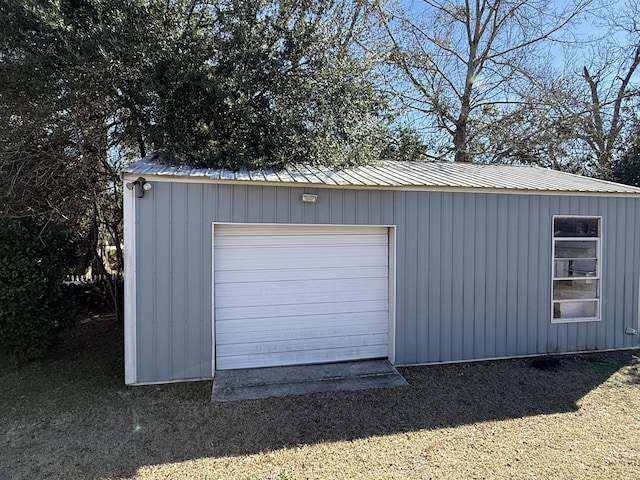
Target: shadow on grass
x=72, y=417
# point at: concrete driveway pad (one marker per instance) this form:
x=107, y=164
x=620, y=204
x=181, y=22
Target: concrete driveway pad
x=255, y=383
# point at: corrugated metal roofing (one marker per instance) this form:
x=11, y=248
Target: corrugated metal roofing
x=395, y=174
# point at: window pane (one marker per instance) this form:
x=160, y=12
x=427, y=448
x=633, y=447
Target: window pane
x=575, y=227
x=575, y=289
x=575, y=249
x=576, y=268
x=575, y=310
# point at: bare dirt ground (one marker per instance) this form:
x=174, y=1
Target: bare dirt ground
x=71, y=417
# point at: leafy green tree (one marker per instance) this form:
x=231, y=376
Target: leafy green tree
x=34, y=258
x=88, y=85
x=65, y=114
x=625, y=167
x=264, y=83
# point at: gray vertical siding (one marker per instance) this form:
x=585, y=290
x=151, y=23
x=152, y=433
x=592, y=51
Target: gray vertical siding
x=473, y=269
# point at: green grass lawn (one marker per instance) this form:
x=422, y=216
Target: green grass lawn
x=71, y=416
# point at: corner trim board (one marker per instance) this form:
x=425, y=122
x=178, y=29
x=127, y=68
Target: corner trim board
x=130, y=279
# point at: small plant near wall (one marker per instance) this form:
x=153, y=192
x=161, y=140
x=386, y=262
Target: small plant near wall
x=35, y=257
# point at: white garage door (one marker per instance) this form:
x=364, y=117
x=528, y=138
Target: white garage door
x=286, y=295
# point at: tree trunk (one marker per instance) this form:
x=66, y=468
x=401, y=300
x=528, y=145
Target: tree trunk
x=460, y=144
x=460, y=134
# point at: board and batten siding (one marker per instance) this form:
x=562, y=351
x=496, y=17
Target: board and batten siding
x=473, y=270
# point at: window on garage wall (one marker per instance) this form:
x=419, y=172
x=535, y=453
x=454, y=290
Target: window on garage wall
x=576, y=269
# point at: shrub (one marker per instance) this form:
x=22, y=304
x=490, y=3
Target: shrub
x=34, y=259
x=94, y=297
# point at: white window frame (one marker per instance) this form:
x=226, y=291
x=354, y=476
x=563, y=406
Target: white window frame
x=598, y=276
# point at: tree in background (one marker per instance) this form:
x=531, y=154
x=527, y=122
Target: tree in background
x=265, y=83
x=88, y=85
x=577, y=119
x=540, y=130
x=625, y=167
x=65, y=118
x=466, y=64
x=609, y=98
x=229, y=83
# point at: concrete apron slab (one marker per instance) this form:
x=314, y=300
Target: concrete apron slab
x=255, y=383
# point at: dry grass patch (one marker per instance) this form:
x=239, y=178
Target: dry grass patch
x=71, y=417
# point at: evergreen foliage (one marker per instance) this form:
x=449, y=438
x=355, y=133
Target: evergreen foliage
x=89, y=85
x=233, y=83
x=266, y=83
x=626, y=168
x=34, y=259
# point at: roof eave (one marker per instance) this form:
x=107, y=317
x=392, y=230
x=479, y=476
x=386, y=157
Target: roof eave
x=169, y=177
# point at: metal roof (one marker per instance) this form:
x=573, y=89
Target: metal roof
x=401, y=175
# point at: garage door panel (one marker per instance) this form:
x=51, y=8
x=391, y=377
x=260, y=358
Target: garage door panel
x=291, y=274
x=302, y=292
x=247, y=230
x=298, y=257
x=303, y=330
x=224, y=265
x=282, y=311
x=306, y=356
x=287, y=295
x=376, y=322
x=322, y=240
x=283, y=347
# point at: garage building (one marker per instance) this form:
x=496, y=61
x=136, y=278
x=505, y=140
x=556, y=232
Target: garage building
x=417, y=262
